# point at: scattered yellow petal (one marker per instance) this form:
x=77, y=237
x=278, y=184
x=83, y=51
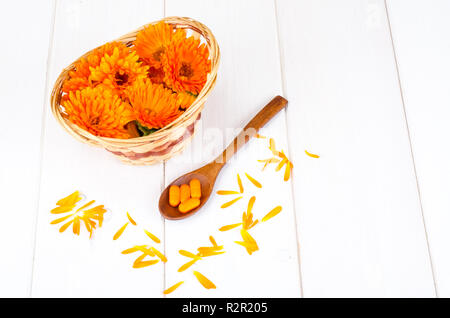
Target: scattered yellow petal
x=260, y=137
x=253, y=224
x=131, y=219
x=62, y=209
x=227, y=204
x=229, y=227
x=86, y=205
x=56, y=221
x=287, y=171
x=268, y=161
x=204, y=281
x=76, y=225
x=71, y=199
x=213, y=241
x=249, y=242
x=247, y=218
x=281, y=164
x=130, y=250
x=88, y=217
x=251, y=202
x=145, y=263
x=254, y=181
x=65, y=226
x=226, y=192
x=159, y=254
x=311, y=154
x=139, y=259
x=145, y=250
x=272, y=144
x=247, y=237
x=120, y=231
x=187, y=265
x=172, y=288
x=152, y=236
x=271, y=214
x=208, y=251
x=204, y=249
x=188, y=254
x=241, y=187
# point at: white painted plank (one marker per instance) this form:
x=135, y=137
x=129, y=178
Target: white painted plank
x=359, y=219
x=421, y=32
x=25, y=28
x=249, y=76
x=66, y=265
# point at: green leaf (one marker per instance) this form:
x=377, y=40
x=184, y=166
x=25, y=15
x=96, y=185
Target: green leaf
x=144, y=130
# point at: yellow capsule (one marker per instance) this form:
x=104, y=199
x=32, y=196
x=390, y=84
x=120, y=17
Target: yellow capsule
x=188, y=205
x=174, y=195
x=196, y=189
x=185, y=193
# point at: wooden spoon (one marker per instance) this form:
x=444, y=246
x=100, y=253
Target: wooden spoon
x=208, y=173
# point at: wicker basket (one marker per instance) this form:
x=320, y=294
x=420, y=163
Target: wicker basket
x=164, y=143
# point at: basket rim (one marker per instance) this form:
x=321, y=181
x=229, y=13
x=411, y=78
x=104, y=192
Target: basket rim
x=180, y=22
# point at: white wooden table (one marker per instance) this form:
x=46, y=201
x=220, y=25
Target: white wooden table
x=368, y=89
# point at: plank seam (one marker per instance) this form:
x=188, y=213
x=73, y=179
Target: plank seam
x=162, y=189
x=42, y=137
x=410, y=146
x=283, y=89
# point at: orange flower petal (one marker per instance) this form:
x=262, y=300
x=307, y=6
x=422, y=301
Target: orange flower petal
x=188, y=254
x=272, y=213
x=86, y=205
x=226, y=192
x=287, y=172
x=145, y=263
x=65, y=226
x=281, y=164
x=254, y=181
x=241, y=187
x=251, y=202
x=131, y=219
x=229, y=227
x=311, y=154
x=62, y=209
x=229, y=203
x=159, y=254
x=71, y=199
x=187, y=265
x=172, y=288
x=120, y=231
x=204, y=281
x=56, y=221
x=213, y=241
x=152, y=236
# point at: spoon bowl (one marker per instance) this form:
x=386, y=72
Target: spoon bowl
x=207, y=174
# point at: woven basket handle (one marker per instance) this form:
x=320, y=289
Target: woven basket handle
x=252, y=128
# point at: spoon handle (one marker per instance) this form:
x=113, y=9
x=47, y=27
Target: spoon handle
x=252, y=128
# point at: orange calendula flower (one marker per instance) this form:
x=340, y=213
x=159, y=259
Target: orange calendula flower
x=118, y=69
x=98, y=111
x=154, y=106
x=152, y=41
x=79, y=77
x=184, y=100
x=186, y=65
